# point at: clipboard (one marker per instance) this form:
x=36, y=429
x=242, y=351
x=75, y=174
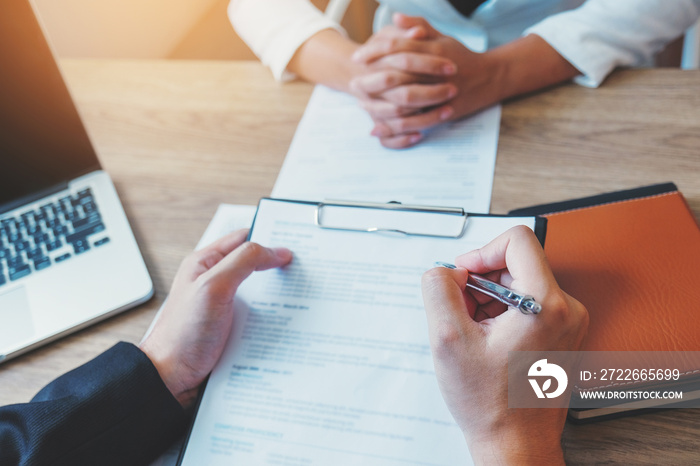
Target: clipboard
x=321, y=218
x=540, y=228
x=392, y=207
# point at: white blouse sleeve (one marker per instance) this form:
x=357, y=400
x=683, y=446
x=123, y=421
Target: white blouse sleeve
x=275, y=29
x=603, y=34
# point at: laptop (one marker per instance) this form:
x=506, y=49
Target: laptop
x=68, y=257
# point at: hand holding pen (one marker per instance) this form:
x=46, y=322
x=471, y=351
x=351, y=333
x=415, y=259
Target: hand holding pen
x=525, y=303
x=471, y=334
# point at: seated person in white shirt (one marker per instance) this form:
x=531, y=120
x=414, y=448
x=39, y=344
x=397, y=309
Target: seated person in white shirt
x=413, y=75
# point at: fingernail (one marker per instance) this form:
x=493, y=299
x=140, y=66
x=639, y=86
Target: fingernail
x=452, y=92
x=449, y=69
x=381, y=131
x=446, y=113
x=283, y=254
x=414, y=138
x=414, y=31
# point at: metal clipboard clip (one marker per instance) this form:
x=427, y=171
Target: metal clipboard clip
x=392, y=206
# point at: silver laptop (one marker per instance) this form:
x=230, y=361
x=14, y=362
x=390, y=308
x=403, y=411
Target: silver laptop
x=68, y=257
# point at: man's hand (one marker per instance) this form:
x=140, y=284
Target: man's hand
x=471, y=335
x=197, y=317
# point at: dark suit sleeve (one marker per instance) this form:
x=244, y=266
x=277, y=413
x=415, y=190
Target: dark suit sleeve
x=113, y=410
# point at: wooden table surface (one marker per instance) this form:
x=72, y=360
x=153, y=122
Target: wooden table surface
x=180, y=137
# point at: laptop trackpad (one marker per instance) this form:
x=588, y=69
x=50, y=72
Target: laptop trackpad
x=15, y=318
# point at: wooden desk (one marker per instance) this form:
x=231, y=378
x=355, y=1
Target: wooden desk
x=179, y=138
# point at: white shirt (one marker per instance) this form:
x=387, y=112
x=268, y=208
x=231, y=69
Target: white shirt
x=595, y=36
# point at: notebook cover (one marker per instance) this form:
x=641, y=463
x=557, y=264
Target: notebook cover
x=633, y=259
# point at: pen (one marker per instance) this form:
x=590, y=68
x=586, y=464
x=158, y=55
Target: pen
x=525, y=303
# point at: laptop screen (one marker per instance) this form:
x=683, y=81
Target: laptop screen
x=42, y=141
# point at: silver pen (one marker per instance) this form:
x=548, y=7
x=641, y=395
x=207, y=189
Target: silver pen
x=525, y=303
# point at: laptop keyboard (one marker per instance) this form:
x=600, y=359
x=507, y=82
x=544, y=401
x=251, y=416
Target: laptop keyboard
x=56, y=231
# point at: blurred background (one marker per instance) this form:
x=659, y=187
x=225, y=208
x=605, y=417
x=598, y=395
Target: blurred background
x=200, y=29
x=180, y=29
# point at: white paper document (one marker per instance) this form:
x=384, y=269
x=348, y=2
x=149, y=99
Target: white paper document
x=227, y=219
x=333, y=156
x=329, y=361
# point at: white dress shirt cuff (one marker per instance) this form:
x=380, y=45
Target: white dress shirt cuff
x=276, y=38
x=601, y=35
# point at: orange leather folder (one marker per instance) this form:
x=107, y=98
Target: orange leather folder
x=633, y=259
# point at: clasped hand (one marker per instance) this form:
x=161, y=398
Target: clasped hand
x=415, y=78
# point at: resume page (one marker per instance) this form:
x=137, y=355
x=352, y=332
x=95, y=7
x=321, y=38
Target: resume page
x=333, y=156
x=329, y=362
